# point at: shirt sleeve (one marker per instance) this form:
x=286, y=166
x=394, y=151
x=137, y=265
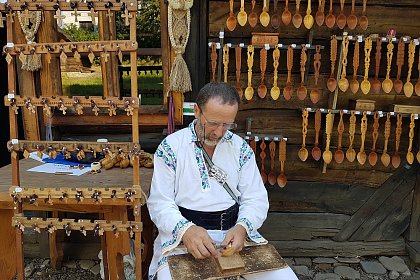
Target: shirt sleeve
x=161, y=202
x=254, y=199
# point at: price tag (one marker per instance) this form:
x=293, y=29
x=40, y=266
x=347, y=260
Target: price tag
x=350, y=37
x=276, y=139
x=394, y=39
x=383, y=39
x=210, y=44
x=358, y=112
x=256, y=138
x=242, y=45
x=405, y=39
x=221, y=34
x=293, y=45
x=323, y=110
x=368, y=113
x=359, y=38
x=14, y=141
x=392, y=113
x=280, y=45
x=10, y=45
x=416, y=41
x=229, y=45
x=308, y=45
x=285, y=139
x=18, y=190
x=416, y=116
x=217, y=45
x=266, y=138
x=345, y=111
x=267, y=46
x=10, y=95
x=247, y=137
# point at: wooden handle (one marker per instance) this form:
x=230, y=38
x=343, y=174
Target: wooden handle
x=378, y=56
x=331, y=6
x=305, y=114
x=225, y=62
x=317, y=125
x=253, y=145
x=411, y=53
x=317, y=63
x=282, y=154
x=342, y=5
x=333, y=55
x=253, y=5
x=231, y=7
x=352, y=128
x=411, y=133
x=276, y=58
x=289, y=63
x=356, y=59
x=375, y=133
x=364, y=7
x=345, y=52
x=238, y=54
x=352, y=6
x=368, y=49
x=398, y=133
x=387, y=131
x=297, y=6
x=272, y=147
x=400, y=57
x=303, y=59
x=363, y=129
x=263, y=63
x=309, y=9
x=262, y=154
x=275, y=6
x=340, y=129
x=250, y=62
x=328, y=129
x=213, y=58
x=389, y=55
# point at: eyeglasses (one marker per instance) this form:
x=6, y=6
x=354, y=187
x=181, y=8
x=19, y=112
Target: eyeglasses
x=215, y=125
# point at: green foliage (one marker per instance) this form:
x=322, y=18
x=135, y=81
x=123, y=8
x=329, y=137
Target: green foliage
x=77, y=34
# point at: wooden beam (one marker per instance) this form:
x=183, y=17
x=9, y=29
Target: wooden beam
x=7, y=245
x=414, y=229
x=166, y=48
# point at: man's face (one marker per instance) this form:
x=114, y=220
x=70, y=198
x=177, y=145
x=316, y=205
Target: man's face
x=213, y=120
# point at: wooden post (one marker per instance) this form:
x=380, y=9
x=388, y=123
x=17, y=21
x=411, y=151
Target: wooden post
x=166, y=49
x=414, y=229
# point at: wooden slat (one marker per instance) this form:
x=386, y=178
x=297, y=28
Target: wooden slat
x=7, y=245
x=166, y=48
x=414, y=229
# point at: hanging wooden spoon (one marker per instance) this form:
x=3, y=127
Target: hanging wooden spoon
x=297, y=18
x=365, y=86
x=225, y=62
x=410, y=155
x=249, y=91
x=351, y=153
x=341, y=19
x=272, y=176
x=354, y=84
x=231, y=20
x=327, y=154
x=303, y=152
x=339, y=154
x=385, y=158
x=408, y=86
x=315, y=94
x=387, y=83
x=263, y=155
x=417, y=88
x=398, y=85
x=286, y=16
x=352, y=19
x=302, y=91
x=396, y=160
x=361, y=155
x=238, y=57
x=242, y=16
x=308, y=20
x=288, y=90
x=376, y=84
x=275, y=17
x=330, y=19
x=213, y=57
x=373, y=156
x=316, y=151
x=363, y=21
x=343, y=83
x=253, y=17
x=262, y=89
x=320, y=17
x=332, y=82
x=275, y=90
x=281, y=179
x=264, y=16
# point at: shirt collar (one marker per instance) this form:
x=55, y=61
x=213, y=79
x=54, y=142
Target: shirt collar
x=227, y=137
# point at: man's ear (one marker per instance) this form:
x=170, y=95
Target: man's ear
x=196, y=111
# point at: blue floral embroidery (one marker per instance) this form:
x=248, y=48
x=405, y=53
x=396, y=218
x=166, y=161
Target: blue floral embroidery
x=247, y=223
x=245, y=154
x=165, y=152
x=228, y=135
x=177, y=229
x=163, y=261
x=202, y=168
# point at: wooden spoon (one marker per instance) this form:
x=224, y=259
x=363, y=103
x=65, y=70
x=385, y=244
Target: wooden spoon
x=396, y=160
x=272, y=176
x=297, y=18
x=343, y=83
x=264, y=16
x=327, y=154
x=417, y=88
x=275, y=90
x=351, y=153
x=373, y=156
x=242, y=16
x=316, y=151
x=385, y=158
x=330, y=19
x=361, y=155
x=302, y=91
x=365, y=86
x=249, y=91
x=275, y=17
x=341, y=19
x=253, y=17
x=339, y=154
x=410, y=155
x=308, y=20
x=315, y=93
x=332, y=82
x=320, y=17
x=262, y=89
x=303, y=152
x=363, y=21
x=354, y=84
x=238, y=56
x=352, y=19
x=387, y=83
x=376, y=84
x=398, y=85
x=225, y=62
x=408, y=86
x=231, y=20
x=281, y=179
x=263, y=155
x=288, y=90
x=253, y=144
x=286, y=16
x=213, y=57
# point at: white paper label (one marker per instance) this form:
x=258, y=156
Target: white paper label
x=10, y=95
x=229, y=45
x=18, y=189
x=360, y=38
x=256, y=138
x=293, y=45
x=10, y=45
x=267, y=46
x=280, y=45
x=276, y=139
x=242, y=45
x=308, y=45
x=15, y=141
x=222, y=34
x=218, y=45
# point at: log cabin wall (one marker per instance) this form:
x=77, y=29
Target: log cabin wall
x=336, y=212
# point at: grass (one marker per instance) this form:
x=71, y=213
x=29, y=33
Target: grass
x=90, y=84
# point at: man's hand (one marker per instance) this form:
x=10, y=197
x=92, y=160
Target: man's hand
x=199, y=243
x=236, y=237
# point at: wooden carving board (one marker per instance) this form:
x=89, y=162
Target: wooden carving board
x=231, y=263
x=256, y=259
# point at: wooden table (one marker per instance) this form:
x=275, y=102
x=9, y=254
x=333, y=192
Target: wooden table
x=116, y=247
